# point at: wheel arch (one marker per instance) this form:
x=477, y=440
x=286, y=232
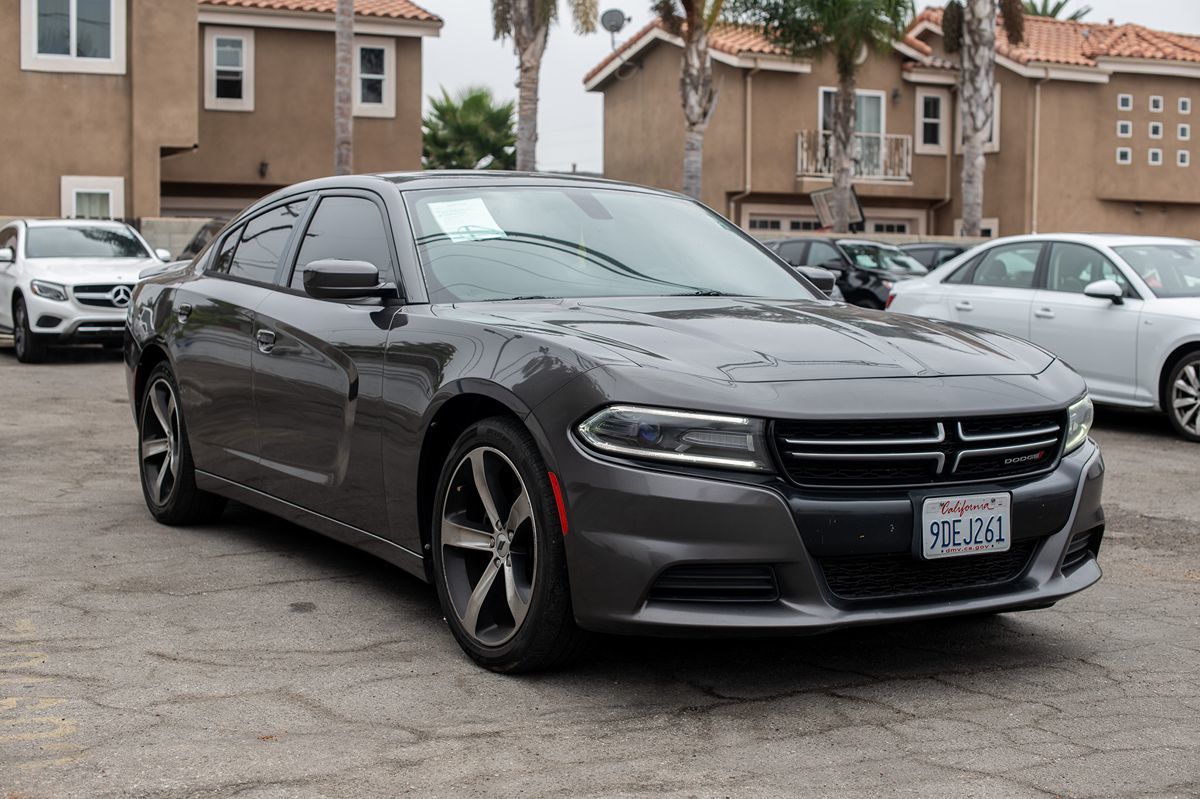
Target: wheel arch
x=152, y=355
x=1179, y=353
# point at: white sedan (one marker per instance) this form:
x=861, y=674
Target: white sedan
x=1124, y=311
x=68, y=281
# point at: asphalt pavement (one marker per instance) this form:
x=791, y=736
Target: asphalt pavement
x=254, y=659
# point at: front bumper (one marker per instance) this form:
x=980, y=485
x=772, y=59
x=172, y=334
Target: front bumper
x=65, y=322
x=629, y=525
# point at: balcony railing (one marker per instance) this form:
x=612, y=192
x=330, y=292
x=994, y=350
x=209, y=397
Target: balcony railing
x=876, y=156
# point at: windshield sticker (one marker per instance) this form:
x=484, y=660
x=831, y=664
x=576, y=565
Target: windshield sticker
x=466, y=220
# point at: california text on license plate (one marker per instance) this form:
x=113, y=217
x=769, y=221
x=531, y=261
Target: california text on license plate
x=969, y=525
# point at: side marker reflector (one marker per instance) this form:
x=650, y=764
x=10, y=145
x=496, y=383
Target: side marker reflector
x=558, y=500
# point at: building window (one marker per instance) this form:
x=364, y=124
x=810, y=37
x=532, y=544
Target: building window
x=1124, y=129
x=1154, y=157
x=931, y=121
x=1184, y=131
x=1156, y=103
x=1183, y=158
x=228, y=69
x=73, y=36
x=764, y=223
x=1185, y=105
x=85, y=197
x=374, y=77
x=1124, y=102
x=804, y=225
x=1156, y=130
x=889, y=227
x=1124, y=155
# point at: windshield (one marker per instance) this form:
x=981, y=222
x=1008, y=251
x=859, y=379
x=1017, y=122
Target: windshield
x=1170, y=270
x=82, y=241
x=879, y=256
x=535, y=243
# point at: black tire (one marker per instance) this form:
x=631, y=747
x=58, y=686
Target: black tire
x=1183, y=386
x=172, y=498
x=546, y=636
x=30, y=349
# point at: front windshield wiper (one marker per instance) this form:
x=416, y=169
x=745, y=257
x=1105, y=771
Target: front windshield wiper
x=528, y=297
x=704, y=293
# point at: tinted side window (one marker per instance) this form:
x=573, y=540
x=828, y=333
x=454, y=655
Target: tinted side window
x=923, y=255
x=792, y=251
x=1008, y=266
x=263, y=241
x=224, y=259
x=963, y=273
x=822, y=253
x=1073, y=266
x=349, y=229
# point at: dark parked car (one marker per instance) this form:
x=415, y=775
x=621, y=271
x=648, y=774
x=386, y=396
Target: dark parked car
x=579, y=405
x=865, y=270
x=933, y=254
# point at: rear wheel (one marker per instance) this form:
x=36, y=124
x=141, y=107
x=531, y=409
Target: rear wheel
x=165, y=459
x=498, y=555
x=1181, y=398
x=29, y=348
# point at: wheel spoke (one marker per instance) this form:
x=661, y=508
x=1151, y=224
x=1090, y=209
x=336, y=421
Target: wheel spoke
x=479, y=471
x=1189, y=371
x=160, y=410
x=1191, y=419
x=519, y=513
x=154, y=446
x=459, y=535
x=160, y=481
x=470, y=619
x=1185, y=402
x=1182, y=385
x=517, y=604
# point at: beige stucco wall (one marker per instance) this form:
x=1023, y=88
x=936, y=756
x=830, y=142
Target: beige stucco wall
x=97, y=125
x=291, y=126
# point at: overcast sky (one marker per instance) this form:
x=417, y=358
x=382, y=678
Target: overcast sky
x=570, y=119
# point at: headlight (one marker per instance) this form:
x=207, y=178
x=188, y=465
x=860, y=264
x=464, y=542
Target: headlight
x=1079, y=423
x=51, y=291
x=694, y=439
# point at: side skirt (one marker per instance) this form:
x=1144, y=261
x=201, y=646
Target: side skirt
x=393, y=553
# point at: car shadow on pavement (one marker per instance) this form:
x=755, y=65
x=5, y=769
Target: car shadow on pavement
x=1130, y=421
x=62, y=356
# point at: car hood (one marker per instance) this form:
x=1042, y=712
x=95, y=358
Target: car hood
x=751, y=341
x=1179, y=307
x=75, y=271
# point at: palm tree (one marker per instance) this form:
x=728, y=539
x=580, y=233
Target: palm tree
x=1052, y=8
x=343, y=109
x=970, y=29
x=843, y=30
x=528, y=23
x=693, y=20
x=469, y=131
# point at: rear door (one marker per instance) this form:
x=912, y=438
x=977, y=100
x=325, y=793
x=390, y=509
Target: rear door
x=318, y=371
x=996, y=291
x=1095, y=336
x=8, y=278
x=792, y=251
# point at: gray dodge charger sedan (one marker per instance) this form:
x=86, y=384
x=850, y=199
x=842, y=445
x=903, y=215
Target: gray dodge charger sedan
x=576, y=405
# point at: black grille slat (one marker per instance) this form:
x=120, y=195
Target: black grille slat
x=98, y=292
x=902, y=575
x=716, y=583
x=1082, y=544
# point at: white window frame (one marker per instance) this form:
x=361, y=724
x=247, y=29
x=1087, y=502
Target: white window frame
x=1150, y=156
x=1127, y=126
x=387, y=108
x=1183, y=131
x=943, y=122
x=988, y=222
x=1124, y=102
x=882, y=95
x=211, y=101
x=1127, y=152
x=1185, y=106
x=1154, y=130
x=1156, y=104
x=992, y=146
x=33, y=61
x=71, y=185
x=1183, y=158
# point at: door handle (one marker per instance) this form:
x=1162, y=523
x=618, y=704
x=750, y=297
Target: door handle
x=183, y=311
x=266, y=341
x=1044, y=313
x=963, y=305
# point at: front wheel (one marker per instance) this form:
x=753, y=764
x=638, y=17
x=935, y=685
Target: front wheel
x=25, y=341
x=498, y=557
x=1182, y=397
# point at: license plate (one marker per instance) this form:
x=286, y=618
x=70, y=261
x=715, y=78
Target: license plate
x=967, y=525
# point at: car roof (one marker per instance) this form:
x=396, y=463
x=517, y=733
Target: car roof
x=1102, y=239
x=106, y=223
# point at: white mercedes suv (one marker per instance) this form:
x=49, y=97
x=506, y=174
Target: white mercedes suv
x=68, y=281
x=1124, y=311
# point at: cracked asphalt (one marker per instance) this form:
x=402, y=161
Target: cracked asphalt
x=254, y=659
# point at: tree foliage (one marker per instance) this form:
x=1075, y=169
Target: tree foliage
x=1055, y=9
x=1012, y=13
x=506, y=14
x=469, y=131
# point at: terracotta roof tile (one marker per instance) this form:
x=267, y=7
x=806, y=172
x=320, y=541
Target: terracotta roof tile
x=392, y=9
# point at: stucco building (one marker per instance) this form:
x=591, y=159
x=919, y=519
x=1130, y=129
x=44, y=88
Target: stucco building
x=141, y=108
x=1093, y=131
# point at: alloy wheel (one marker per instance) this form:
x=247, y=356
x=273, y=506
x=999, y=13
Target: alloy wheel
x=1185, y=398
x=19, y=317
x=160, y=441
x=489, y=546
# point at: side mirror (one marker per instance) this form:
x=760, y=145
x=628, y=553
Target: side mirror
x=834, y=266
x=334, y=279
x=1105, y=290
x=821, y=278
x=163, y=255
x=7, y=255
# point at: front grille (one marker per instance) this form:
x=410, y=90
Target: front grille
x=100, y=295
x=903, y=575
x=1082, y=544
x=716, y=583
x=849, y=454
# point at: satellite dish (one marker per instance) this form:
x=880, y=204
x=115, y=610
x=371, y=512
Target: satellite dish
x=614, y=20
